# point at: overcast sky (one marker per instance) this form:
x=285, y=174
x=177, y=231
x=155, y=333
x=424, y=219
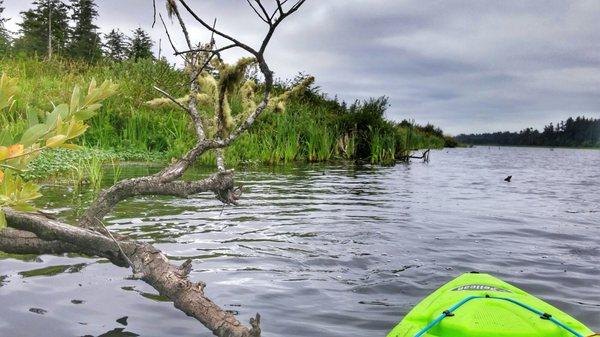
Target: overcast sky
x=466, y=66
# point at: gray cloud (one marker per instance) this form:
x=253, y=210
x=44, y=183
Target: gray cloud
x=466, y=66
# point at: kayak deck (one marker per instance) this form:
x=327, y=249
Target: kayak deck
x=480, y=305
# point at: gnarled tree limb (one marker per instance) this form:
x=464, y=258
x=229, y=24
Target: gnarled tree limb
x=34, y=233
x=149, y=264
x=159, y=184
x=14, y=241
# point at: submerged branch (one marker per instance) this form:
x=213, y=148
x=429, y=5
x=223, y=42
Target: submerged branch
x=37, y=234
x=162, y=183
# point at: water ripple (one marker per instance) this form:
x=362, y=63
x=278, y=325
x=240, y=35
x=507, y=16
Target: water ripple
x=336, y=251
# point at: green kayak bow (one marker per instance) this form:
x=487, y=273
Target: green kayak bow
x=480, y=305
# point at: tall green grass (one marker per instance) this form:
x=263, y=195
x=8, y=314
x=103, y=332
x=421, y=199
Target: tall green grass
x=313, y=128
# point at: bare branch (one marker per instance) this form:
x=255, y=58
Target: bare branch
x=183, y=26
x=167, y=32
x=279, y=8
x=207, y=50
x=153, y=13
x=263, y=9
x=277, y=21
x=173, y=99
x=14, y=241
x=265, y=19
x=161, y=183
x=193, y=104
x=51, y=230
x=191, y=110
x=217, y=32
x=219, y=143
x=149, y=263
x=194, y=76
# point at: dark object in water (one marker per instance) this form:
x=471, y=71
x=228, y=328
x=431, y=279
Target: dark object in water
x=122, y=320
x=508, y=178
x=38, y=311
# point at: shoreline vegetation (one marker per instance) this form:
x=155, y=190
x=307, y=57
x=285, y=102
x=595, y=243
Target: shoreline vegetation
x=311, y=128
x=579, y=132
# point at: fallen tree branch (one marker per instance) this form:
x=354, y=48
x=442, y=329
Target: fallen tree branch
x=33, y=233
x=14, y=241
x=161, y=183
x=86, y=241
x=149, y=265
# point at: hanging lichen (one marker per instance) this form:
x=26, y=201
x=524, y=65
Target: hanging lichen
x=277, y=104
x=226, y=95
x=171, y=7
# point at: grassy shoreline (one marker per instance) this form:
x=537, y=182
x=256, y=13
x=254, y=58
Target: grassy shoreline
x=313, y=127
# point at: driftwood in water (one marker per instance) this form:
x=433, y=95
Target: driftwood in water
x=37, y=234
x=409, y=156
x=424, y=156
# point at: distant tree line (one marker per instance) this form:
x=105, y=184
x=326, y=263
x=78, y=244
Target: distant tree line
x=578, y=132
x=67, y=29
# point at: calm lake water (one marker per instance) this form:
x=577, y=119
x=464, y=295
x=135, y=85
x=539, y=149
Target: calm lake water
x=334, y=250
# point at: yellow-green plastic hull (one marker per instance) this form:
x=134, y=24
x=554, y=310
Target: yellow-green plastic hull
x=485, y=317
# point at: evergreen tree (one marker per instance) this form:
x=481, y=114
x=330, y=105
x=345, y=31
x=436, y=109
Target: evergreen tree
x=48, y=17
x=580, y=131
x=85, y=41
x=116, y=47
x=4, y=34
x=140, y=45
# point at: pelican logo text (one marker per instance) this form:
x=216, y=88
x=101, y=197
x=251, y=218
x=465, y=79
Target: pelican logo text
x=479, y=287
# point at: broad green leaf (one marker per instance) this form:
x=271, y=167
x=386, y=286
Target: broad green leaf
x=92, y=86
x=76, y=129
x=32, y=118
x=75, y=99
x=56, y=141
x=28, y=191
x=84, y=115
x=61, y=111
x=33, y=134
x=58, y=126
x=8, y=90
x=94, y=107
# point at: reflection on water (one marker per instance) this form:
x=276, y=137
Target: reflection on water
x=334, y=250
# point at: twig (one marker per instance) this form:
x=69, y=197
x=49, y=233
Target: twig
x=167, y=32
x=217, y=32
x=118, y=245
x=184, y=29
x=257, y=13
x=173, y=99
x=197, y=50
x=154, y=13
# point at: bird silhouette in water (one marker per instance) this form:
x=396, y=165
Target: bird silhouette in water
x=508, y=179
